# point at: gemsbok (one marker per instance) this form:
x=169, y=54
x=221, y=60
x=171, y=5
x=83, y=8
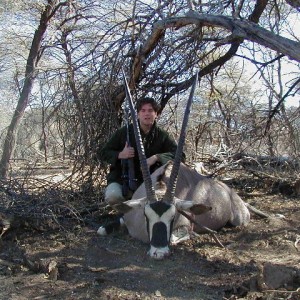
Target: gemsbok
x=174, y=196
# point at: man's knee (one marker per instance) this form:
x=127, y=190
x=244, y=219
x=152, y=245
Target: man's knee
x=113, y=193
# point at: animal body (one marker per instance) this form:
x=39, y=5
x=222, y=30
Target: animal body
x=209, y=201
x=222, y=204
x=155, y=211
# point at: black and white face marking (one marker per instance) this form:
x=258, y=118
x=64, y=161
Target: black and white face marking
x=159, y=218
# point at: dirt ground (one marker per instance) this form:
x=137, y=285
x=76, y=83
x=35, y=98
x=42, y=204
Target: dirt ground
x=260, y=261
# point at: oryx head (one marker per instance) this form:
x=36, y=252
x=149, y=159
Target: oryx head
x=160, y=207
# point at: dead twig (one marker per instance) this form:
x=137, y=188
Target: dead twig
x=296, y=242
x=296, y=292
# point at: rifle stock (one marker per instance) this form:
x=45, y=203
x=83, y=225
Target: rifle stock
x=132, y=182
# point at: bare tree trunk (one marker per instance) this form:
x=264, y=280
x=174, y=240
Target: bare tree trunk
x=30, y=74
x=71, y=82
x=44, y=139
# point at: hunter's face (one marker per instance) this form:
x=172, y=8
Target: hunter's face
x=147, y=116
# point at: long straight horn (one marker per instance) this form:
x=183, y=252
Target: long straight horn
x=150, y=192
x=169, y=196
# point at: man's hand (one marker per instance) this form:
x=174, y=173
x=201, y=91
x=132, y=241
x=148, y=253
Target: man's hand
x=152, y=160
x=127, y=152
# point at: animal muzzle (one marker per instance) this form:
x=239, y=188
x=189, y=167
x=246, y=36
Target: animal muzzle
x=159, y=242
x=159, y=253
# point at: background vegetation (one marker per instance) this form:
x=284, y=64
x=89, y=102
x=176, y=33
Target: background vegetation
x=62, y=91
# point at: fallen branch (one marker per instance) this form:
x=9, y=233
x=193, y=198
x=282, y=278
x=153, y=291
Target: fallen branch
x=295, y=293
x=6, y=263
x=48, y=267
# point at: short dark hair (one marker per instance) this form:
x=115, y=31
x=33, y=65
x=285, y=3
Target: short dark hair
x=147, y=100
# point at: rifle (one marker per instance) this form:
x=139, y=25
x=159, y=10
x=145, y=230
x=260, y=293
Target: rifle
x=128, y=172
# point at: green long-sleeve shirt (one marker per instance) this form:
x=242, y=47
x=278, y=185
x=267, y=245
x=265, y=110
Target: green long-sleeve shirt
x=156, y=142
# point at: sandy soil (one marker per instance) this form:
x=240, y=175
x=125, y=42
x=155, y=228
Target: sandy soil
x=261, y=261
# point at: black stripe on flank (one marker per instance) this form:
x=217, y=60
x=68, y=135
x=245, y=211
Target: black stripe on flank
x=159, y=235
x=160, y=207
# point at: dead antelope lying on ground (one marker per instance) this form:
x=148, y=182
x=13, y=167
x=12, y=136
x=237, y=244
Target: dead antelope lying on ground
x=153, y=213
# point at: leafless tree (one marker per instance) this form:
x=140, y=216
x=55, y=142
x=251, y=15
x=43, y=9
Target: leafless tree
x=30, y=74
x=160, y=45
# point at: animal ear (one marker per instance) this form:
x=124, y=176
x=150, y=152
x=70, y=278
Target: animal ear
x=196, y=209
x=126, y=206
